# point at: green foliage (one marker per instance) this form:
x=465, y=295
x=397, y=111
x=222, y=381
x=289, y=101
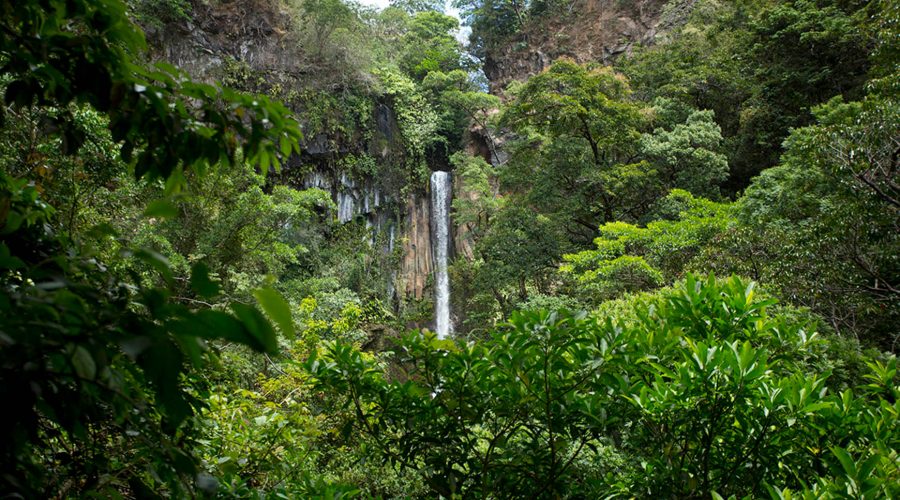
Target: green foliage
x=569, y=100
x=493, y=419
x=267, y=431
x=495, y=22
x=520, y=245
x=737, y=407
x=704, y=392
x=629, y=258
x=343, y=118
x=262, y=446
x=577, y=156
x=343, y=322
x=610, y=277
x=802, y=54
x=429, y=44
x=175, y=320
x=76, y=185
x=238, y=230
x=687, y=154
x=97, y=362
x=156, y=13
x=583, y=158
x=761, y=67
x=460, y=104
x=378, y=62
x=56, y=55
x=338, y=265
x=818, y=227
x=825, y=219
x=514, y=258
x=478, y=208
x=418, y=122
x=326, y=16
x=99, y=352
x=415, y=6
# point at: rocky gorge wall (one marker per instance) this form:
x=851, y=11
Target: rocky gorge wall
x=256, y=36
x=587, y=30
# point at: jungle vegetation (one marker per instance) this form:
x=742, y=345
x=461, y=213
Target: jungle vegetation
x=683, y=277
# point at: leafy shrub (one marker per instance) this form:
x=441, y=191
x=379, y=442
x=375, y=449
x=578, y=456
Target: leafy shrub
x=704, y=393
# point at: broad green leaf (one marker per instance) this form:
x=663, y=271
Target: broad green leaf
x=201, y=282
x=276, y=308
x=258, y=326
x=846, y=460
x=84, y=364
x=157, y=261
x=161, y=208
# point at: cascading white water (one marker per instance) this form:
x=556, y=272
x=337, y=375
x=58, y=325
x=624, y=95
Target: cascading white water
x=393, y=276
x=441, y=192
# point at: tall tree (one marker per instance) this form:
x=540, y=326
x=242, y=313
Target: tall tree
x=579, y=144
x=97, y=353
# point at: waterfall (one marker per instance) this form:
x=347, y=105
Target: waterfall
x=390, y=251
x=441, y=191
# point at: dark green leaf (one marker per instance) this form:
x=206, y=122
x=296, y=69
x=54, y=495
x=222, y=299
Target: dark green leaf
x=201, y=282
x=258, y=327
x=276, y=308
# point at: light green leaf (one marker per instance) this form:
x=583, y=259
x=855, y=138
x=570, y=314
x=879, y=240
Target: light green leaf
x=161, y=208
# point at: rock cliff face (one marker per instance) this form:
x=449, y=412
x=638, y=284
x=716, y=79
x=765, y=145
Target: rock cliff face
x=257, y=35
x=253, y=31
x=416, y=266
x=591, y=30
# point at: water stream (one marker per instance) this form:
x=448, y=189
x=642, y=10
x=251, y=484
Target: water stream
x=441, y=192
